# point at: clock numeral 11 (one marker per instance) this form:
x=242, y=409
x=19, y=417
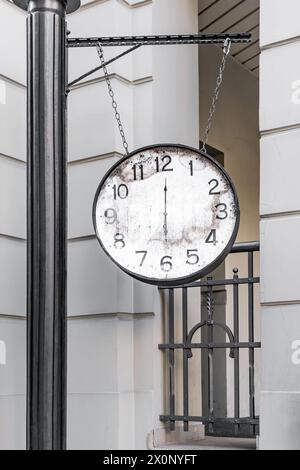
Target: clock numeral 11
x=137, y=173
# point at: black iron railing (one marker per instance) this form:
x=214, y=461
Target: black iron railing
x=215, y=424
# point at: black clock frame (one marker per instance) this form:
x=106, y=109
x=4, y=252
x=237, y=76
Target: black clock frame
x=204, y=271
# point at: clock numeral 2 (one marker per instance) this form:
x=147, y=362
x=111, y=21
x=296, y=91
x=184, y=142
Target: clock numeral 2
x=119, y=240
x=166, y=264
x=212, y=192
x=212, y=237
x=120, y=191
x=144, y=253
x=135, y=172
x=167, y=160
x=222, y=211
x=193, y=258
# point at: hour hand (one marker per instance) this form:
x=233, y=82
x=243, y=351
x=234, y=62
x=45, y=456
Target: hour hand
x=165, y=211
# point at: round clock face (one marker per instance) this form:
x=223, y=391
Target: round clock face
x=166, y=214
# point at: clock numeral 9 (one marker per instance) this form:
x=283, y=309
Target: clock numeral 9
x=212, y=237
x=166, y=264
x=120, y=191
x=213, y=191
x=110, y=216
x=119, y=241
x=193, y=258
x=222, y=211
x=167, y=161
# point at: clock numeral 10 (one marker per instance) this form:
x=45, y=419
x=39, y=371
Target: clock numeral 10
x=166, y=160
x=120, y=191
x=212, y=237
x=166, y=264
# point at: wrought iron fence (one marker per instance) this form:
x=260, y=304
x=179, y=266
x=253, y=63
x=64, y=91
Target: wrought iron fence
x=236, y=425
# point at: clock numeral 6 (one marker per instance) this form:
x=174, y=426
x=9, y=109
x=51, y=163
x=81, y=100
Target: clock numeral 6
x=110, y=216
x=222, y=211
x=119, y=240
x=144, y=253
x=212, y=237
x=193, y=258
x=120, y=191
x=166, y=264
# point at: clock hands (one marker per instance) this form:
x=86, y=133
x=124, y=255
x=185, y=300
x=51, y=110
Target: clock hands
x=165, y=212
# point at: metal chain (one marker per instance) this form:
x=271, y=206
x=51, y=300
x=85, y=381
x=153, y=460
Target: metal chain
x=226, y=51
x=112, y=95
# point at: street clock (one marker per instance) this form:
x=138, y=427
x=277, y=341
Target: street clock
x=166, y=214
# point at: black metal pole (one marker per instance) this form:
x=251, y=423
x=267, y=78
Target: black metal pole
x=46, y=222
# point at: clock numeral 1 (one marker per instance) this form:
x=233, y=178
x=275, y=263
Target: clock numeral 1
x=120, y=191
x=212, y=192
x=167, y=160
x=191, y=164
x=144, y=253
x=222, y=211
x=166, y=264
x=135, y=172
x=110, y=216
x=119, y=240
x=212, y=237
x=193, y=258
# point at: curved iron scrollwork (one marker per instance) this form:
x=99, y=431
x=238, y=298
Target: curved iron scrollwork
x=209, y=323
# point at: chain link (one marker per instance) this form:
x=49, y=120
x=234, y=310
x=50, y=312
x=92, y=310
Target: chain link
x=112, y=95
x=226, y=51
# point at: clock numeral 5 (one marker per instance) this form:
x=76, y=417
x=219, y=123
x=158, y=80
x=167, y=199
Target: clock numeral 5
x=144, y=253
x=166, y=264
x=193, y=257
x=167, y=160
x=222, y=211
x=212, y=237
x=120, y=191
x=110, y=216
x=119, y=240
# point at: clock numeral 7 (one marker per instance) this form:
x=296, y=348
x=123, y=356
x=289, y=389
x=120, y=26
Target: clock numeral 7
x=193, y=258
x=166, y=264
x=144, y=253
x=212, y=237
x=120, y=191
x=119, y=240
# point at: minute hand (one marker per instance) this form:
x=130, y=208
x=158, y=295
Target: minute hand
x=165, y=212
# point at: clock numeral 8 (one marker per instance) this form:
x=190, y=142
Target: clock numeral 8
x=119, y=240
x=166, y=264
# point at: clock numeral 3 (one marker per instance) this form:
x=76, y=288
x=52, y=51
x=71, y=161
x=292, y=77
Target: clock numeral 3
x=110, y=216
x=119, y=240
x=166, y=264
x=144, y=253
x=193, y=258
x=212, y=192
x=120, y=191
x=222, y=211
x=167, y=161
x=212, y=237
x=135, y=172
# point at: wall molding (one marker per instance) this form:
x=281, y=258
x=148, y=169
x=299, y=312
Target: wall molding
x=279, y=215
x=104, y=156
x=11, y=81
x=280, y=303
x=279, y=130
x=116, y=315
x=12, y=237
x=283, y=42
x=125, y=3
x=113, y=76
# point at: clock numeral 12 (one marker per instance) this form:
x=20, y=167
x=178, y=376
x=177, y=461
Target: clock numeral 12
x=120, y=191
x=167, y=160
x=212, y=237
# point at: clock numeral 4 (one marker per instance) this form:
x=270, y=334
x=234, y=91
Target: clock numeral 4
x=110, y=216
x=215, y=184
x=166, y=264
x=144, y=253
x=193, y=258
x=119, y=240
x=222, y=213
x=166, y=160
x=120, y=191
x=212, y=237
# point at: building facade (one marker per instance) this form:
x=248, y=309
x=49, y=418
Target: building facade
x=116, y=373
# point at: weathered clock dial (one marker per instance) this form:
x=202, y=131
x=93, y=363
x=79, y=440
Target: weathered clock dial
x=166, y=214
